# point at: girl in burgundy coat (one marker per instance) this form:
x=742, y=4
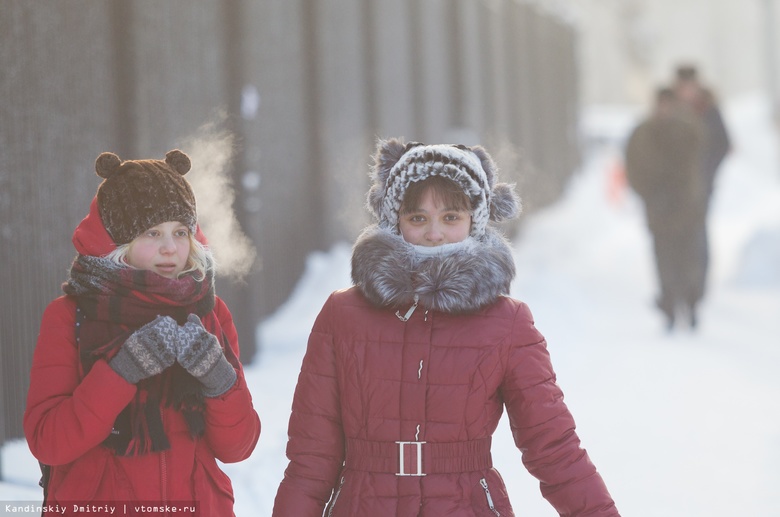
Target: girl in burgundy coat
x=407, y=373
x=136, y=388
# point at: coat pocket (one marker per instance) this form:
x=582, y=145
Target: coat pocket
x=95, y=475
x=212, y=488
x=336, y=494
x=489, y=497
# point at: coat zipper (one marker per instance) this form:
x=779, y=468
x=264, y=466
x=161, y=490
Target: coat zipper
x=335, y=497
x=164, y=468
x=164, y=475
x=409, y=313
x=492, y=507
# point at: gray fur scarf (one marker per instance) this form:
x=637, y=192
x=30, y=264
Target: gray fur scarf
x=391, y=273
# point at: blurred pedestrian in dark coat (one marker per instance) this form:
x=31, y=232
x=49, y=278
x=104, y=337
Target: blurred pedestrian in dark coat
x=663, y=167
x=700, y=101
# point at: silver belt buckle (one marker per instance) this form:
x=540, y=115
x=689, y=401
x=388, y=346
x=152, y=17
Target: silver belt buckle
x=401, y=466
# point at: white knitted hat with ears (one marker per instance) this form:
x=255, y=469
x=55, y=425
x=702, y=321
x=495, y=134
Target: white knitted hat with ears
x=397, y=164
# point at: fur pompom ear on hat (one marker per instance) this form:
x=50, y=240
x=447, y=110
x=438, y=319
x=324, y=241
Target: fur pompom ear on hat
x=179, y=161
x=504, y=201
x=396, y=165
x=138, y=194
x=107, y=164
x=388, y=152
x=488, y=165
x=505, y=204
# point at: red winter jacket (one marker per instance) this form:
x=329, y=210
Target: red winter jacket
x=68, y=416
x=370, y=380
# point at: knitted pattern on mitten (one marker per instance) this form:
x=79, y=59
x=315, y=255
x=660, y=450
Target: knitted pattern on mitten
x=148, y=351
x=200, y=354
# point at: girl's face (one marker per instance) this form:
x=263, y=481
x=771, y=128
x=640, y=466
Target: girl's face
x=433, y=224
x=163, y=249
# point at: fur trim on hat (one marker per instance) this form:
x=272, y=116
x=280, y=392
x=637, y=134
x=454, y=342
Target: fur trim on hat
x=138, y=194
x=391, y=273
x=396, y=165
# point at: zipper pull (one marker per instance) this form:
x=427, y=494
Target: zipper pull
x=409, y=313
x=336, y=496
x=419, y=371
x=492, y=506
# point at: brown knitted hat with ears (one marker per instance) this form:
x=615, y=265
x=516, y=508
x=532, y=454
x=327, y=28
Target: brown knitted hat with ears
x=138, y=194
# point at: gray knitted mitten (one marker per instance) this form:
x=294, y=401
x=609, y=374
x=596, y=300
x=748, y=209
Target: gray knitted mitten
x=148, y=351
x=200, y=354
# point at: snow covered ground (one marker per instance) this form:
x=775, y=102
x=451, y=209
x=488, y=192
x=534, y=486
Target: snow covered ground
x=682, y=424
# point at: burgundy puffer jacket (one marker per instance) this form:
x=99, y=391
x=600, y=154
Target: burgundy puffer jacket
x=438, y=382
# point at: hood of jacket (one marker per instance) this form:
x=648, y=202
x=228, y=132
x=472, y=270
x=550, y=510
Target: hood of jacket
x=454, y=278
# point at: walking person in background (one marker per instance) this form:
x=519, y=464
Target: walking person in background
x=136, y=388
x=700, y=100
x=716, y=144
x=663, y=156
x=407, y=373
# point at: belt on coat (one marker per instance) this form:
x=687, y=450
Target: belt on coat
x=418, y=458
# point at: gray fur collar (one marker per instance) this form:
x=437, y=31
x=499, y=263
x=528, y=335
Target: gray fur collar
x=390, y=272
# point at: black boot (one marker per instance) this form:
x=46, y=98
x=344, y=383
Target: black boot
x=668, y=311
x=693, y=319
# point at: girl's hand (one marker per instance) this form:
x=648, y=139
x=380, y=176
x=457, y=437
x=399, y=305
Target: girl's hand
x=148, y=351
x=200, y=354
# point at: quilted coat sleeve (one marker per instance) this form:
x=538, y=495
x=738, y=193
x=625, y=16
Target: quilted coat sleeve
x=316, y=444
x=67, y=415
x=232, y=424
x=544, y=430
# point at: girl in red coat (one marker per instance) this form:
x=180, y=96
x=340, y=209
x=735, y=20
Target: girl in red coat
x=136, y=388
x=407, y=373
